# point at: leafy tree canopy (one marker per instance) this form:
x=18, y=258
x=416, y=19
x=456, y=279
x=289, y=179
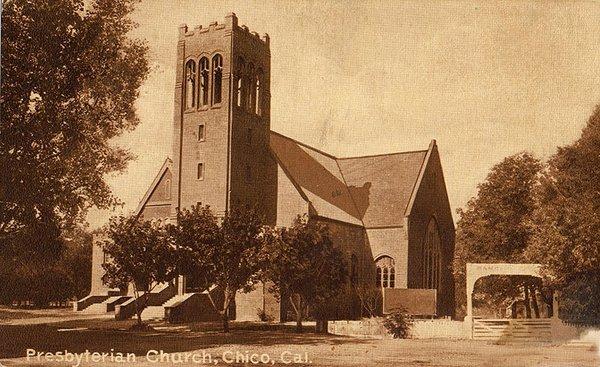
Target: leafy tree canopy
x=70, y=77
x=302, y=264
x=226, y=251
x=493, y=226
x=140, y=254
x=566, y=224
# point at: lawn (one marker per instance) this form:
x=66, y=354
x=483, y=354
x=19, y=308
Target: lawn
x=274, y=341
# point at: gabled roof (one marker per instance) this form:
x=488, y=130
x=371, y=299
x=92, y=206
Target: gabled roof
x=167, y=164
x=373, y=191
x=382, y=185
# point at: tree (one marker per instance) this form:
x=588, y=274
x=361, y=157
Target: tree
x=70, y=77
x=565, y=224
x=225, y=250
x=493, y=226
x=141, y=255
x=25, y=277
x=303, y=265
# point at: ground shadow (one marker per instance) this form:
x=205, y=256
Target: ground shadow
x=16, y=339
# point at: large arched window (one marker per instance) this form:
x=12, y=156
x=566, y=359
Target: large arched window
x=386, y=272
x=432, y=257
x=203, y=81
x=217, y=82
x=239, y=77
x=190, y=84
x=249, y=86
x=257, y=95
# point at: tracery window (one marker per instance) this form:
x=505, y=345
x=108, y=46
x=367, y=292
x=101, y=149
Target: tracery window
x=249, y=86
x=217, y=82
x=386, y=272
x=190, y=84
x=203, y=81
x=239, y=91
x=432, y=257
x=257, y=95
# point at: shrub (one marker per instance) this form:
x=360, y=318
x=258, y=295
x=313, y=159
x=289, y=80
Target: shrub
x=263, y=316
x=398, y=324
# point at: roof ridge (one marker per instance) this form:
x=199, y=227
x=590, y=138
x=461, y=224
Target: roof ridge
x=352, y=157
x=384, y=154
x=360, y=216
x=305, y=145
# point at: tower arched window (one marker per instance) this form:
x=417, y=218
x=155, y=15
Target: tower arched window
x=239, y=77
x=190, y=84
x=203, y=81
x=432, y=257
x=257, y=96
x=249, y=86
x=386, y=272
x=217, y=82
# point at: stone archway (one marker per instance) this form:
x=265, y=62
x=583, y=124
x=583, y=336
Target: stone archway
x=478, y=271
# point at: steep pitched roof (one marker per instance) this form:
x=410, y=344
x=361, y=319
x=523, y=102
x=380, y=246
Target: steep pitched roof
x=317, y=176
x=373, y=191
x=382, y=185
x=167, y=164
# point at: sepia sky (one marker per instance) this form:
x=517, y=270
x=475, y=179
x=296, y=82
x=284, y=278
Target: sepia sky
x=486, y=80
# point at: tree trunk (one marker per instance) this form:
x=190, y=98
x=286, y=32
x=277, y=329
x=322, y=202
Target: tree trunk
x=225, y=322
x=225, y=312
x=536, y=309
x=298, y=310
x=138, y=312
x=299, y=321
x=527, y=302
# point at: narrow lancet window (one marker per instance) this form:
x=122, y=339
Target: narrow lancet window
x=203, y=81
x=190, y=84
x=217, y=85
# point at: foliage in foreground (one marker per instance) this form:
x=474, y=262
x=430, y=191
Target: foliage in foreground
x=226, y=251
x=304, y=266
x=398, y=323
x=70, y=77
x=140, y=255
x=547, y=214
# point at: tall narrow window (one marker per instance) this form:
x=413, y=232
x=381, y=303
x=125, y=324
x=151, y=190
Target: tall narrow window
x=249, y=92
x=190, y=84
x=432, y=257
x=200, y=173
x=385, y=278
x=239, y=92
x=258, y=93
x=203, y=81
x=167, y=188
x=201, y=132
x=386, y=272
x=217, y=84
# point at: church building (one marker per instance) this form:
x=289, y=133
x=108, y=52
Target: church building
x=389, y=213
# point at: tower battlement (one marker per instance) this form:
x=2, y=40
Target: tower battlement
x=231, y=23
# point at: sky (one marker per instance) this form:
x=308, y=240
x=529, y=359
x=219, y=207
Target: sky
x=486, y=80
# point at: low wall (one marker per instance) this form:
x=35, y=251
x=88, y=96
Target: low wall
x=421, y=329
x=366, y=328
x=439, y=328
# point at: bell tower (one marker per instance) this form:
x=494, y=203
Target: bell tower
x=221, y=123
